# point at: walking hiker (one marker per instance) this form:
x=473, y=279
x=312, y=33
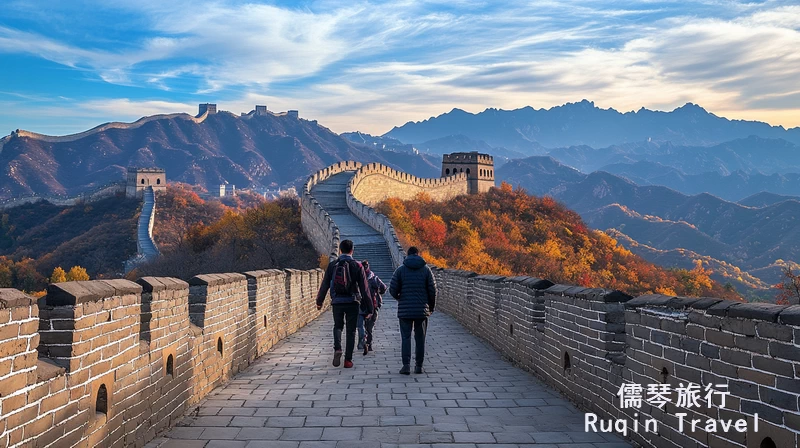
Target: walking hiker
x=414, y=288
x=347, y=283
x=366, y=325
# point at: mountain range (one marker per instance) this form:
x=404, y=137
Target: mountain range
x=665, y=183
x=752, y=236
x=530, y=130
x=259, y=151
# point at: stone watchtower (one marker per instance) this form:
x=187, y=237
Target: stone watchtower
x=479, y=169
x=206, y=107
x=141, y=178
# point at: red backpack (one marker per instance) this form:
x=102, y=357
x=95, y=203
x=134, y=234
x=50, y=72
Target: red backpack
x=341, y=283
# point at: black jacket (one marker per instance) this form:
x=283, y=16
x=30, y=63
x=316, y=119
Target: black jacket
x=357, y=275
x=414, y=288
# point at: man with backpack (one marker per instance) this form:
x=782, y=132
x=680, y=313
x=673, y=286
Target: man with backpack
x=366, y=325
x=414, y=288
x=347, y=282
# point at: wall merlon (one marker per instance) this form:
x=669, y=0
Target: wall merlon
x=158, y=284
x=13, y=298
x=215, y=279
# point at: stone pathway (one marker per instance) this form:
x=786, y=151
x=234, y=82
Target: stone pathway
x=293, y=397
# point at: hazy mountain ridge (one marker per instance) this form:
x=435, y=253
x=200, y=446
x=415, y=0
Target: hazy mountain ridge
x=752, y=155
x=764, y=199
x=255, y=151
x=582, y=123
x=723, y=272
x=732, y=187
x=750, y=238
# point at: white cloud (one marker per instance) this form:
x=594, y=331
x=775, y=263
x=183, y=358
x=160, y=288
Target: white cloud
x=370, y=66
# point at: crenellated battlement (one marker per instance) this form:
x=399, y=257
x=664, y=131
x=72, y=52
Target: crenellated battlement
x=468, y=157
x=113, y=362
x=317, y=223
x=587, y=342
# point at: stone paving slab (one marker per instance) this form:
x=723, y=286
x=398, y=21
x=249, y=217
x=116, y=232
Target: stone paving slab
x=469, y=397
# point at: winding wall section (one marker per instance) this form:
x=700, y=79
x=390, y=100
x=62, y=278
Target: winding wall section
x=588, y=342
x=144, y=238
x=103, y=127
x=336, y=206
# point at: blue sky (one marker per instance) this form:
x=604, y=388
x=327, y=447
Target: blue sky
x=372, y=65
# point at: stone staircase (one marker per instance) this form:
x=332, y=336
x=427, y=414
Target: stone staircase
x=369, y=244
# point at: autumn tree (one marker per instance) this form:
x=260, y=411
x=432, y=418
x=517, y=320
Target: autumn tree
x=58, y=275
x=789, y=287
x=76, y=273
x=507, y=231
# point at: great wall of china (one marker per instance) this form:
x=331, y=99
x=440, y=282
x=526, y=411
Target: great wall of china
x=114, y=363
x=103, y=127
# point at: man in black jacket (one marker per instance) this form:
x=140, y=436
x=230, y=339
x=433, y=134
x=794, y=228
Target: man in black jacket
x=414, y=288
x=347, y=283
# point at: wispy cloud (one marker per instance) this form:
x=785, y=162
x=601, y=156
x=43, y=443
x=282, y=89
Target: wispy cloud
x=371, y=65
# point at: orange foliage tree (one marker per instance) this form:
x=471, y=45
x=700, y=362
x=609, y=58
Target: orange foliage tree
x=509, y=232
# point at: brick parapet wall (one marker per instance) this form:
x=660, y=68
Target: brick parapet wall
x=148, y=350
x=375, y=182
x=317, y=224
x=588, y=342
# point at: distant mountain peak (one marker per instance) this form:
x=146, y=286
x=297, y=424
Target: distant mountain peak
x=530, y=130
x=690, y=107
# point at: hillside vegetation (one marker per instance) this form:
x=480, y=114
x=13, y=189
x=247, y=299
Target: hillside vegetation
x=510, y=232
x=39, y=237
x=196, y=236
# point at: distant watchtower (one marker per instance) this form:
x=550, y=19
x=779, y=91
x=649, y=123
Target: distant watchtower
x=141, y=178
x=207, y=107
x=479, y=169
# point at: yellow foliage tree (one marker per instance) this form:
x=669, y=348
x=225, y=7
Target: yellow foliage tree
x=58, y=276
x=77, y=273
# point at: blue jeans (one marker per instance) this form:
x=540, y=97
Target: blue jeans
x=365, y=327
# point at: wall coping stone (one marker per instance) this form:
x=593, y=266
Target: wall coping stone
x=558, y=289
x=790, y=315
x=263, y=273
x=660, y=300
x=531, y=282
x=721, y=308
x=215, y=279
x=491, y=278
x=73, y=293
x=13, y=298
x=156, y=284
x=460, y=273
x=704, y=303
x=122, y=286
x=759, y=311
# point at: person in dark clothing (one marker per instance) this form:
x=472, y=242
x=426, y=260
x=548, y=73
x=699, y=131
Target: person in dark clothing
x=347, y=283
x=365, y=326
x=414, y=288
